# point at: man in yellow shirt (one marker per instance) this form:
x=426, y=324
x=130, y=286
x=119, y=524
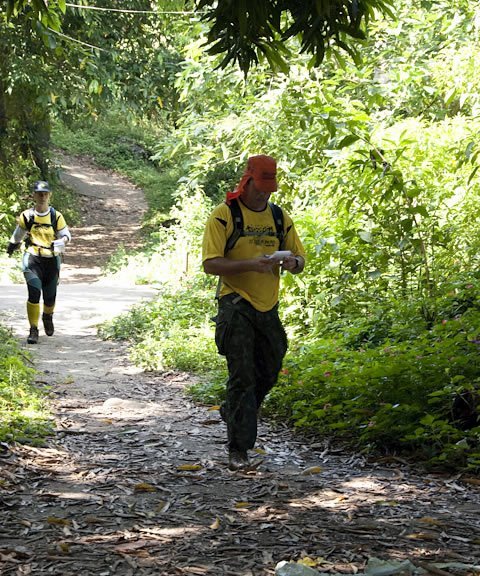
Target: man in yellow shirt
x=249, y=331
x=46, y=234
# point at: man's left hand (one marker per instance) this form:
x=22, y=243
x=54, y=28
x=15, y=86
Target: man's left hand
x=293, y=263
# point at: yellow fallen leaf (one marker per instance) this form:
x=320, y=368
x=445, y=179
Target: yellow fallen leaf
x=242, y=504
x=210, y=422
x=107, y=420
x=64, y=547
x=91, y=519
x=312, y=470
x=473, y=481
x=422, y=536
x=307, y=561
x=259, y=450
x=189, y=467
x=58, y=521
x=162, y=506
x=216, y=524
x=432, y=521
x=144, y=487
x=212, y=408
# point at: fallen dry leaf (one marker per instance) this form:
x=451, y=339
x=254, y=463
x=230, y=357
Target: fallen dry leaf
x=133, y=547
x=144, y=487
x=58, y=521
x=242, y=504
x=432, y=521
x=307, y=561
x=473, y=481
x=189, y=467
x=422, y=536
x=312, y=470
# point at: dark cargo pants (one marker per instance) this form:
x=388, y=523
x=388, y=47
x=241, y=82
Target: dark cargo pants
x=254, y=344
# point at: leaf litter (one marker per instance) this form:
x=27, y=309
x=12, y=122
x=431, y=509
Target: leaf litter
x=135, y=482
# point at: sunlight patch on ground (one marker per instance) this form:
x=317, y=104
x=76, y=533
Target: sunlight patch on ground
x=363, y=484
x=360, y=492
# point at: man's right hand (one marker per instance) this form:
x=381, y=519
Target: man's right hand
x=264, y=264
x=225, y=267
x=12, y=246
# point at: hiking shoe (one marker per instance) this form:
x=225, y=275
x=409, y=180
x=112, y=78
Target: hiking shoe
x=48, y=324
x=33, y=336
x=238, y=460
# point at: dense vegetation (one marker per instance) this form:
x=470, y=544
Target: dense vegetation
x=24, y=417
x=378, y=166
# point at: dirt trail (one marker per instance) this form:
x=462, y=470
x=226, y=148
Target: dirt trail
x=135, y=480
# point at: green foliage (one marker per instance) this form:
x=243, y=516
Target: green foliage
x=62, y=61
x=46, y=12
x=211, y=389
x=14, y=193
x=16, y=180
x=248, y=31
x=173, y=331
x=22, y=412
x=378, y=165
x=388, y=385
x=125, y=147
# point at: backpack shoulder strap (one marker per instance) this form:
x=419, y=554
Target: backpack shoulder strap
x=277, y=213
x=29, y=221
x=237, y=219
x=29, y=218
x=53, y=219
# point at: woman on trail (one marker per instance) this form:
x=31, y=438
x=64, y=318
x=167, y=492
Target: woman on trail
x=46, y=234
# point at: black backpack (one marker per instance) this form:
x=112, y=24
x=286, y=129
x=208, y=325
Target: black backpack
x=239, y=231
x=31, y=220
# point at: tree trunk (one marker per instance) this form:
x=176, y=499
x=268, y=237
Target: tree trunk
x=3, y=124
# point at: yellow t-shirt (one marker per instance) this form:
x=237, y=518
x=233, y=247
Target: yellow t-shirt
x=260, y=289
x=42, y=233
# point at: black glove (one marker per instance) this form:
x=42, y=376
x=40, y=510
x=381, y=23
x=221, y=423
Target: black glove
x=12, y=246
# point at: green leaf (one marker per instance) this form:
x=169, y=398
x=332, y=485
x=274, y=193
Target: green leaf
x=472, y=174
x=10, y=8
x=468, y=150
x=347, y=141
x=422, y=210
x=336, y=301
x=374, y=274
x=366, y=236
x=406, y=224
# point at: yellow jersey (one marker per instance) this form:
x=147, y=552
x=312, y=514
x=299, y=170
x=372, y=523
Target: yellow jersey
x=260, y=289
x=42, y=233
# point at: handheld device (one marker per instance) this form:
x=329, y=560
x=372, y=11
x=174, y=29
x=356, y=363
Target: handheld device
x=280, y=255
